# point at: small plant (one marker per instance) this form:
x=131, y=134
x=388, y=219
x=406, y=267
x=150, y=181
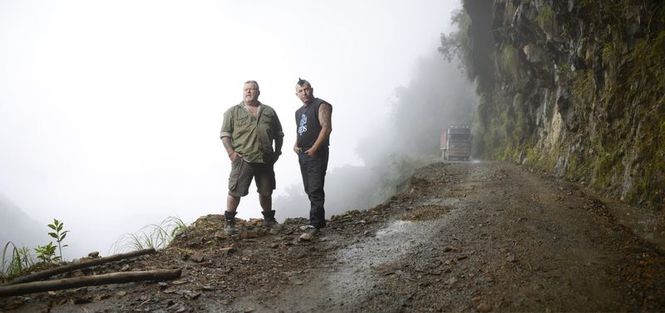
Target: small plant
x=46, y=254
x=151, y=236
x=58, y=234
x=19, y=260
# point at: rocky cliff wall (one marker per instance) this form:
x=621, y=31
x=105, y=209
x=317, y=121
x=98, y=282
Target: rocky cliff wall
x=577, y=87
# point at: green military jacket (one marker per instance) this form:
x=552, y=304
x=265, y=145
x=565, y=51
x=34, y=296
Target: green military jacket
x=251, y=136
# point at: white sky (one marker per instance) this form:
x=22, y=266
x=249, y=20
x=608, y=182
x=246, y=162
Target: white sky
x=110, y=110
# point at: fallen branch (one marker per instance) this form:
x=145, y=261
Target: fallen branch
x=75, y=266
x=105, y=279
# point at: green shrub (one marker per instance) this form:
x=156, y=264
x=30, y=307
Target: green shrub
x=46, y=254
x=58, y=234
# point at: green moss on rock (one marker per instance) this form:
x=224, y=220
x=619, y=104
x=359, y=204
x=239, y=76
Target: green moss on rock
x=611, y=102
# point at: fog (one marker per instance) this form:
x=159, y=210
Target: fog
x=437, y=96
x=110, y=111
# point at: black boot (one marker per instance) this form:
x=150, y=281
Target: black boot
x=230, y=228
x=269, y=220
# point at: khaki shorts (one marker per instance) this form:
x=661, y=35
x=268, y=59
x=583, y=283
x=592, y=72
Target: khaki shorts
x=241, y=177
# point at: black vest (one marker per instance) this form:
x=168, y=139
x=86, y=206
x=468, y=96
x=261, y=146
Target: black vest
x=307, y=121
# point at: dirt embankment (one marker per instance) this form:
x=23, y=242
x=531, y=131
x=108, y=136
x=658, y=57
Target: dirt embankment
x=462, y=237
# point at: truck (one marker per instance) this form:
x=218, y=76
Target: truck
x=456, y=143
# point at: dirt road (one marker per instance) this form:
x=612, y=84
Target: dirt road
x=461, y=237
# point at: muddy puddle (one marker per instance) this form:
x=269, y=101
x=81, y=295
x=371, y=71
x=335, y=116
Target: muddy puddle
x=351, y=278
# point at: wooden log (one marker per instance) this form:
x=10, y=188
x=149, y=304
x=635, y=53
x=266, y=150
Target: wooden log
x=75, y=266
x=105, y=279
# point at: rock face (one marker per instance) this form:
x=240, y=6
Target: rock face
x=577, y=87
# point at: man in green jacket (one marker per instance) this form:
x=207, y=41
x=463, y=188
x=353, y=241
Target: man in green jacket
x=248, y=132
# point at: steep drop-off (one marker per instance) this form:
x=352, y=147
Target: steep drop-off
x=577, y=87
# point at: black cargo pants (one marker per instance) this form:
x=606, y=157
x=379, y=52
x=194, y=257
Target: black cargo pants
x=313, y=171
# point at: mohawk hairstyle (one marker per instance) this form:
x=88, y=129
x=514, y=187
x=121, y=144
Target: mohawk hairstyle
x=302, y=82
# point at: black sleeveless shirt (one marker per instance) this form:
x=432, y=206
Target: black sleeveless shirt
x=307, y=121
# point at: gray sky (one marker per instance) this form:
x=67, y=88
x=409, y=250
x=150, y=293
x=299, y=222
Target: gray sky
x=110, y=110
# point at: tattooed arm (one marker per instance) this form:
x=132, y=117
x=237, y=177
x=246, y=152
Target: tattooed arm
x=325, y=118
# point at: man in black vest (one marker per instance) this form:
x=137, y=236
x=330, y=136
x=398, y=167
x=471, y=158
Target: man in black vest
x=313, y=121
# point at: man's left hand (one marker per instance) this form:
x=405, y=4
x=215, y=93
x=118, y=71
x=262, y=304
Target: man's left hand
x=311, y=152
x=276, y=156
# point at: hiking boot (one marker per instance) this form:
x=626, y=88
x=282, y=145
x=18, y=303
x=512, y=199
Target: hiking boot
x=310, y=233
x=230, y=227
x=270, y=222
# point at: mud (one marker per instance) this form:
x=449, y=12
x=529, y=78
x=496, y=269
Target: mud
x=461, y=237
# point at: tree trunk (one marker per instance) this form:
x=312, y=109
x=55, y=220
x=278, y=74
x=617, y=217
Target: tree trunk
x=68, y=283
x=75, y=266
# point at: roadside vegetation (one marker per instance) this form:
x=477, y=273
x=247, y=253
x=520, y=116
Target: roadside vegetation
x=17, y=261
x=156, y=236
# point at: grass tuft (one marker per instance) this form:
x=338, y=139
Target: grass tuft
x=156, y=236
x=16, y=263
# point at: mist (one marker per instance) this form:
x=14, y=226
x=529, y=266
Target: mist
x=110, y=111
x=437, y=96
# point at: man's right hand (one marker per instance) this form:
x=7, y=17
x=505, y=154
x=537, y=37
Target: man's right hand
x=234, y=155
